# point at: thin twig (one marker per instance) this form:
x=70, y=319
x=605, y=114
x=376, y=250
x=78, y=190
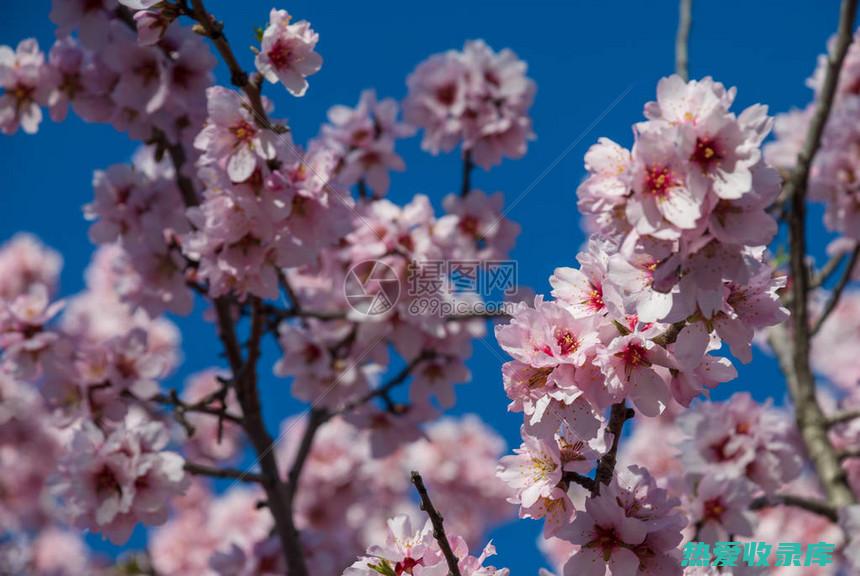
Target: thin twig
x=214, y=472
x=250, y=85
x=837, y=290
x=201, y=408
x=396, y=380
x=849, y=453
x=819, y=507
x=466, y=181
x=316, y=418
x=682, y=40
x=438, y=525
x=842, y=417
x=829, y=268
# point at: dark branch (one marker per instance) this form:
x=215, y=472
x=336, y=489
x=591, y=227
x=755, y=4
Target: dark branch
x=843, y=417
x=438, y=525
x=315, y=419
x=819, y=507
x=618, y=415
x=213, y=472
x=569, y=478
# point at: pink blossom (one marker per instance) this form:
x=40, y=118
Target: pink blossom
x=478, y=97
x=631, y=525
x=478, y=224
x=111, y=481
x=720, y=508
x=23, y=78
x=739, y=439
x=630, y=364
x=231, y=138
x=365, y=137
x=287, y=52
x=89, y=17
x=24, y=263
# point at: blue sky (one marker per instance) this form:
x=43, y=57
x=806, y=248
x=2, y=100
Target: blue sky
x=583, y=55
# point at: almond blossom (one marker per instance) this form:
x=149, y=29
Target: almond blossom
x=287, y=52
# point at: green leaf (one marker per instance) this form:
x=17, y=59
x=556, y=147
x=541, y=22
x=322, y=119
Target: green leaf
x=259, y=33
x=383, y=568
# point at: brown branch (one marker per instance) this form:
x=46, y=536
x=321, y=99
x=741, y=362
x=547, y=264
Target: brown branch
x=316, y=418
x=792, y=347
x=849, y=453
x=568, y=478
x=685, y=20
x=438, y=525
x=214, y=472
x=842, y=417
x=811, y=421
x=396, y=380
x=670, y=334
x=466, y=181
x=250, y=85
x=819, y=507
x=618, y=415
x=277, y=498
x=837, y=290
x=179, y=405
x=823, y=275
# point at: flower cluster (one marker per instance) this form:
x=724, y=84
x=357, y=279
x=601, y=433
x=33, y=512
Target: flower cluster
x=362, y=139
x=110, y=480
x=78, y=379
x=139, y=208
x=687, y=210
x=631, y=526
x=343, y=501
x=675, y=269
x=478, y=98
x=265, y=205
x=106, y=76
x=417, y=552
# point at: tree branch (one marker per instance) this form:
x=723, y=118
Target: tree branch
x=685, y=19
x=792, y=347
x=815, y=506
x=843, y=417
x=572, y=477
x=316, y=418
x=395, y=381
x=277, y=494
x=618, y=415
x=837, y=290
x=213, y=472
x=438, y=525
